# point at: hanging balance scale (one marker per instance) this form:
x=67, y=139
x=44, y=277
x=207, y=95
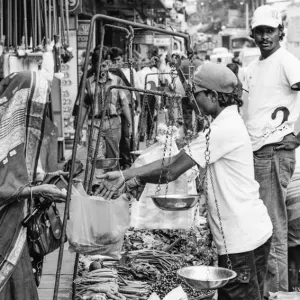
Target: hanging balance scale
x=197, y=277
x=166, y=201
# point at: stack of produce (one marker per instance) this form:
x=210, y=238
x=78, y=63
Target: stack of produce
x=158, y=269
x=99, y=284
x=167, y=282
x=99, y=280
x=196, y=244
x=138, y=290
x=147, y=265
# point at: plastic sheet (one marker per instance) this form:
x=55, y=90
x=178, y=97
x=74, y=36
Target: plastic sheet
x=144, y=213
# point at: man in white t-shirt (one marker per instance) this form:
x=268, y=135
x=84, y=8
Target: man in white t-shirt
x=246, y=225
x=273, y=81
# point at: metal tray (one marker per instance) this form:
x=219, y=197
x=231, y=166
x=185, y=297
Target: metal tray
x=206, y=277
x=174, y=202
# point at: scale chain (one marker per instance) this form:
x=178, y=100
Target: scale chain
x=208, y=170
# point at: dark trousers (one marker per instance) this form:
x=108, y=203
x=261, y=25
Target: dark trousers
x=125, y=154
x=150, y=109
x=251, y=268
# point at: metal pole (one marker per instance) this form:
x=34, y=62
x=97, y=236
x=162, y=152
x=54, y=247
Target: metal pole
x=247, y=16
x=25, y=24
x=54, y=18
x=67, y=20
x=131, y=37
x=1, y=19
x=9, y=23
x=62, y=21
x=101, y=108
x=133, y=89
x=50, y=21
x=39, y=25
x=16, y=23
x=81, y=97
x=45, y=22
x=185, y=36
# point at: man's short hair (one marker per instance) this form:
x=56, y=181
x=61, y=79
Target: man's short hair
x=115, y=52
x=96, y=54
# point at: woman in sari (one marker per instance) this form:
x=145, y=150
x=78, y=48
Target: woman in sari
x=22, y=113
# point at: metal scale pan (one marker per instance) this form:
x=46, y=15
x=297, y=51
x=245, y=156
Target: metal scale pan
x=206, y=277
x=175, y=202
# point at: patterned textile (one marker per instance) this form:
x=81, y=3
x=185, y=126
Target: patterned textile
x=22, y=113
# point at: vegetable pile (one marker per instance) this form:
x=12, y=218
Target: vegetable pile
x=99, y=284
x=149, y=263
x=195, y=244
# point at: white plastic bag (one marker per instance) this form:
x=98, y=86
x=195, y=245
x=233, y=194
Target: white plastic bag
x=144, y=213
x=97, y=226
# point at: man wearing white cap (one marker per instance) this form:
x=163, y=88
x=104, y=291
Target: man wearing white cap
x=273, y=82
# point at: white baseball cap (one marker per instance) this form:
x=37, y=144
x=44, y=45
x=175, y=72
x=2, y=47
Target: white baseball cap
x=266, y=15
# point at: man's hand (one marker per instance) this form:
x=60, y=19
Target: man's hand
x=112, y=182
x=50, y=192
x=289, y=142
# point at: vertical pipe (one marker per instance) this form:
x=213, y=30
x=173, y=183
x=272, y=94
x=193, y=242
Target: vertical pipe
x=247, y=17
x=45, y=21
x=62, y=21
x=1, y=19
x=76, y=139
x=8, y=37
x=39, y=33
x=67, y=21
x=25, y=24
x=101, y=105
x=131, y=37
x=33, y=20
x=50, y=20
x=15, y=23
x=54, y=18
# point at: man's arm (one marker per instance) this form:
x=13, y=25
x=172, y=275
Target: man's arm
x=150, y=173
x=153, y=172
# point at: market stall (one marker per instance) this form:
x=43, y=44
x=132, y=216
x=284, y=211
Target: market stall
x=115, y=262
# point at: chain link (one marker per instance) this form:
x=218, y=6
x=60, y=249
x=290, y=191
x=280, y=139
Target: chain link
x=169, y=134
x=208, y=170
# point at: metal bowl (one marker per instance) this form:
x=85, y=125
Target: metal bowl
x=205, y=277
x=175, y=202
x=106, y=163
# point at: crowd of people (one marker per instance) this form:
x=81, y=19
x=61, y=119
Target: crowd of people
x=249, y=166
